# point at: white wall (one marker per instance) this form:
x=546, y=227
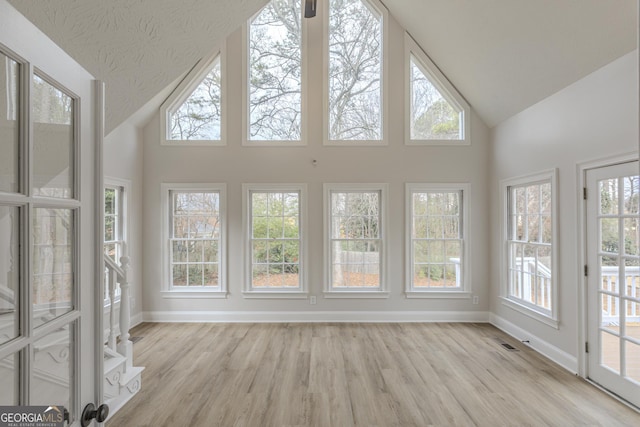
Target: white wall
x=593, y=118
x=123, y=160
x=395, y=164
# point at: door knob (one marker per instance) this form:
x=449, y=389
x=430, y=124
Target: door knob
x=90, y=412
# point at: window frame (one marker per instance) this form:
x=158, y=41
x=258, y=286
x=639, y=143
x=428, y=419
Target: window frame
x=168, y=290
x=465, y=290
x=329, y=290
x=380, y=8
x=249, y=291
x=122, y=188
x=547, y=317
x=443, y=85
x=182, y=92
x=246, y=122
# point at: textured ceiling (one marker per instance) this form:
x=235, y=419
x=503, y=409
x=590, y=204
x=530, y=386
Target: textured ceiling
x=137, y=47
x=502, y=55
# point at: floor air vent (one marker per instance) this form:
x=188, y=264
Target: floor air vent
x=509, y=347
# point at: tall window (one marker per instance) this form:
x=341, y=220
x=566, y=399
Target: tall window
x=355, y=237
x=114, y=222
x=196, y=237
x=274, y=219
x=530, y=242
x=355, y=80
x=436, y=114
x=437, y=230
x=193, y=114
x=275, y=73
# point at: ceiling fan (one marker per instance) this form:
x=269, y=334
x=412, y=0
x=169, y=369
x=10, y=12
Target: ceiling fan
x=310, y=8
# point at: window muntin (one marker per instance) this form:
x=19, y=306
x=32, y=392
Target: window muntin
x=195, y=237
x=530, y=245
x=355, y=239
x=10, y=126
x=437, y=238
x=199, y=116
x=355, y=55
x=433, y=116
x=275, y=73
x=275, y=239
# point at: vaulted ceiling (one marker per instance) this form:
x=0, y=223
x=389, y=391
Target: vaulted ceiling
x=502, y=55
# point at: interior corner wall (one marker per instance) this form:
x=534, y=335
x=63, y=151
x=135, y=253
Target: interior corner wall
x=395, y=164
x=594, y=118
x=122, y=159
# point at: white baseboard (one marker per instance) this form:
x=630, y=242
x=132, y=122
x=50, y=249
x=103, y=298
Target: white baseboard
x=315, y=316
x=136, y=319
x=562, y=358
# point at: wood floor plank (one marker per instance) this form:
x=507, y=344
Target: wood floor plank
x=354, y=375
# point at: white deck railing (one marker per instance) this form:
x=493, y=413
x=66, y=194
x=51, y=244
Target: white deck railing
x=611, y=296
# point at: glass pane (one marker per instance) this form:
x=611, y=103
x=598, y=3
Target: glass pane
x=195, y=251
x=260, y=250
x=291, y=227
x=291, y=278
x=275, y=72
x=53, y=249
x=609, y=236
x=420, y=251
x=609, y=196
x=180, y=275
x=195, y=275
x=9, y=378
x=291, y=250
x=355, y=98
x=259, y=204
x=275, y=254
x=260, y=275
x=9, y=124
x=631, y=236
x=109, y=201
x=52, y=369
x=275, y=277
x=610, y=351
x=432, y=117
x=421, y=275
x=180, y=250
x=9, y=272
x=52, y=112
x=210, y=251
x=610, y=307
x=276, y=228
x=631, y=193
x=632, y=357
x=609, y=273
x=198, y=118
x=633, y=320
x=519, y=197
x=545, y=198
x=211, y=275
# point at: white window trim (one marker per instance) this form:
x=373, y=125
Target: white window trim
x=549, y=318
x=447, y=90
x=167, y=290
x=180, y=94
x=382, y=10
x=304, y=119
x=465, y=290
x=248, y=291
x=381, y=292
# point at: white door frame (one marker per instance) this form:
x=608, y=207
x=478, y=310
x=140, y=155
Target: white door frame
x=581, y=172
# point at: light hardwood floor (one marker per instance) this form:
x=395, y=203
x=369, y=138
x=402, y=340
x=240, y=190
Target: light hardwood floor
x=436, y=374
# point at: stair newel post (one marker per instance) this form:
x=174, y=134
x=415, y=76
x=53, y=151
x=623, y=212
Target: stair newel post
x=125, y=347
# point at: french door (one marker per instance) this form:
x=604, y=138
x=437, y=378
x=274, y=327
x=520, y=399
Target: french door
x=49, y=351
x=613, y=281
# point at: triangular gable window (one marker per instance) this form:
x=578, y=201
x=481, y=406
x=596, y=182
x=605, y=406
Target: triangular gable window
x=436, y=113
x=195, y=113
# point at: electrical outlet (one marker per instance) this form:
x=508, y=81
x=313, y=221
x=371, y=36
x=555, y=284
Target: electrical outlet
x=312, y=299
x=476, y=299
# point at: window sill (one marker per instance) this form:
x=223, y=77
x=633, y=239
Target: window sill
x=438, y=294
x=439, y=142
x=523, y=309
x=356, y=143
x=275, y=295
x=260, y=143
x=193, y=143
x=356, y=294
x=194, y=294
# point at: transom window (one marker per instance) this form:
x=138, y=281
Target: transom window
x=194, y=113
x=530, y=243
x=275, y=73
x=196, y=215
x=356, y=64
x=436, y=114
x=355, y=238
x=274, y=218
x=437, y=229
